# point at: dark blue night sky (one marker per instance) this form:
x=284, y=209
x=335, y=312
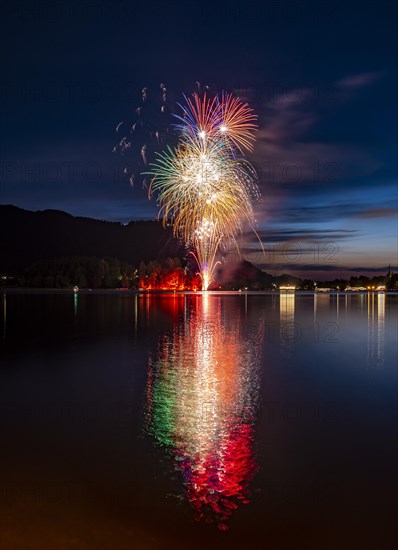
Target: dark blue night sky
x=321, y=75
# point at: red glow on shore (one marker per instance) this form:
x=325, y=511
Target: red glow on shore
x=175, y=280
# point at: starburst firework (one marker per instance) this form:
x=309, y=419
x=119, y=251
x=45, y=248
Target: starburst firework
x=204, y=186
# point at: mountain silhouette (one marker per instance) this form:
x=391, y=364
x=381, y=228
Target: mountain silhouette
x=49, y=234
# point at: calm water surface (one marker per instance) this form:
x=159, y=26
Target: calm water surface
x=198, y=421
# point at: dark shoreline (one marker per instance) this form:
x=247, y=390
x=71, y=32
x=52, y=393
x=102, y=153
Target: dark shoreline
x=113, y=291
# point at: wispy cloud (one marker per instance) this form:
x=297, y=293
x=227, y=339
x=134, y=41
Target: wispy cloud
x=293, y=155
x=326, y=212
x=334, y=269
x=286, y=235
x=359, y=80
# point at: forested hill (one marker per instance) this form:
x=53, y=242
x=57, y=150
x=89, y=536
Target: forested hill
x=30, y=236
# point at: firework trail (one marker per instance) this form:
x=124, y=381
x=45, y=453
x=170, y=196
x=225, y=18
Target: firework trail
x=204, y=186
x=141, y=135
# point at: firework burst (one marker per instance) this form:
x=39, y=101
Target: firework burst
x=204, y=186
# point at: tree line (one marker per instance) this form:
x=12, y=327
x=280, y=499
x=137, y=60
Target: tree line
x=170, y=274
x=107, y=273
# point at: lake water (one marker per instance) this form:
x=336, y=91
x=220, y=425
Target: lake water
x=198, y=421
